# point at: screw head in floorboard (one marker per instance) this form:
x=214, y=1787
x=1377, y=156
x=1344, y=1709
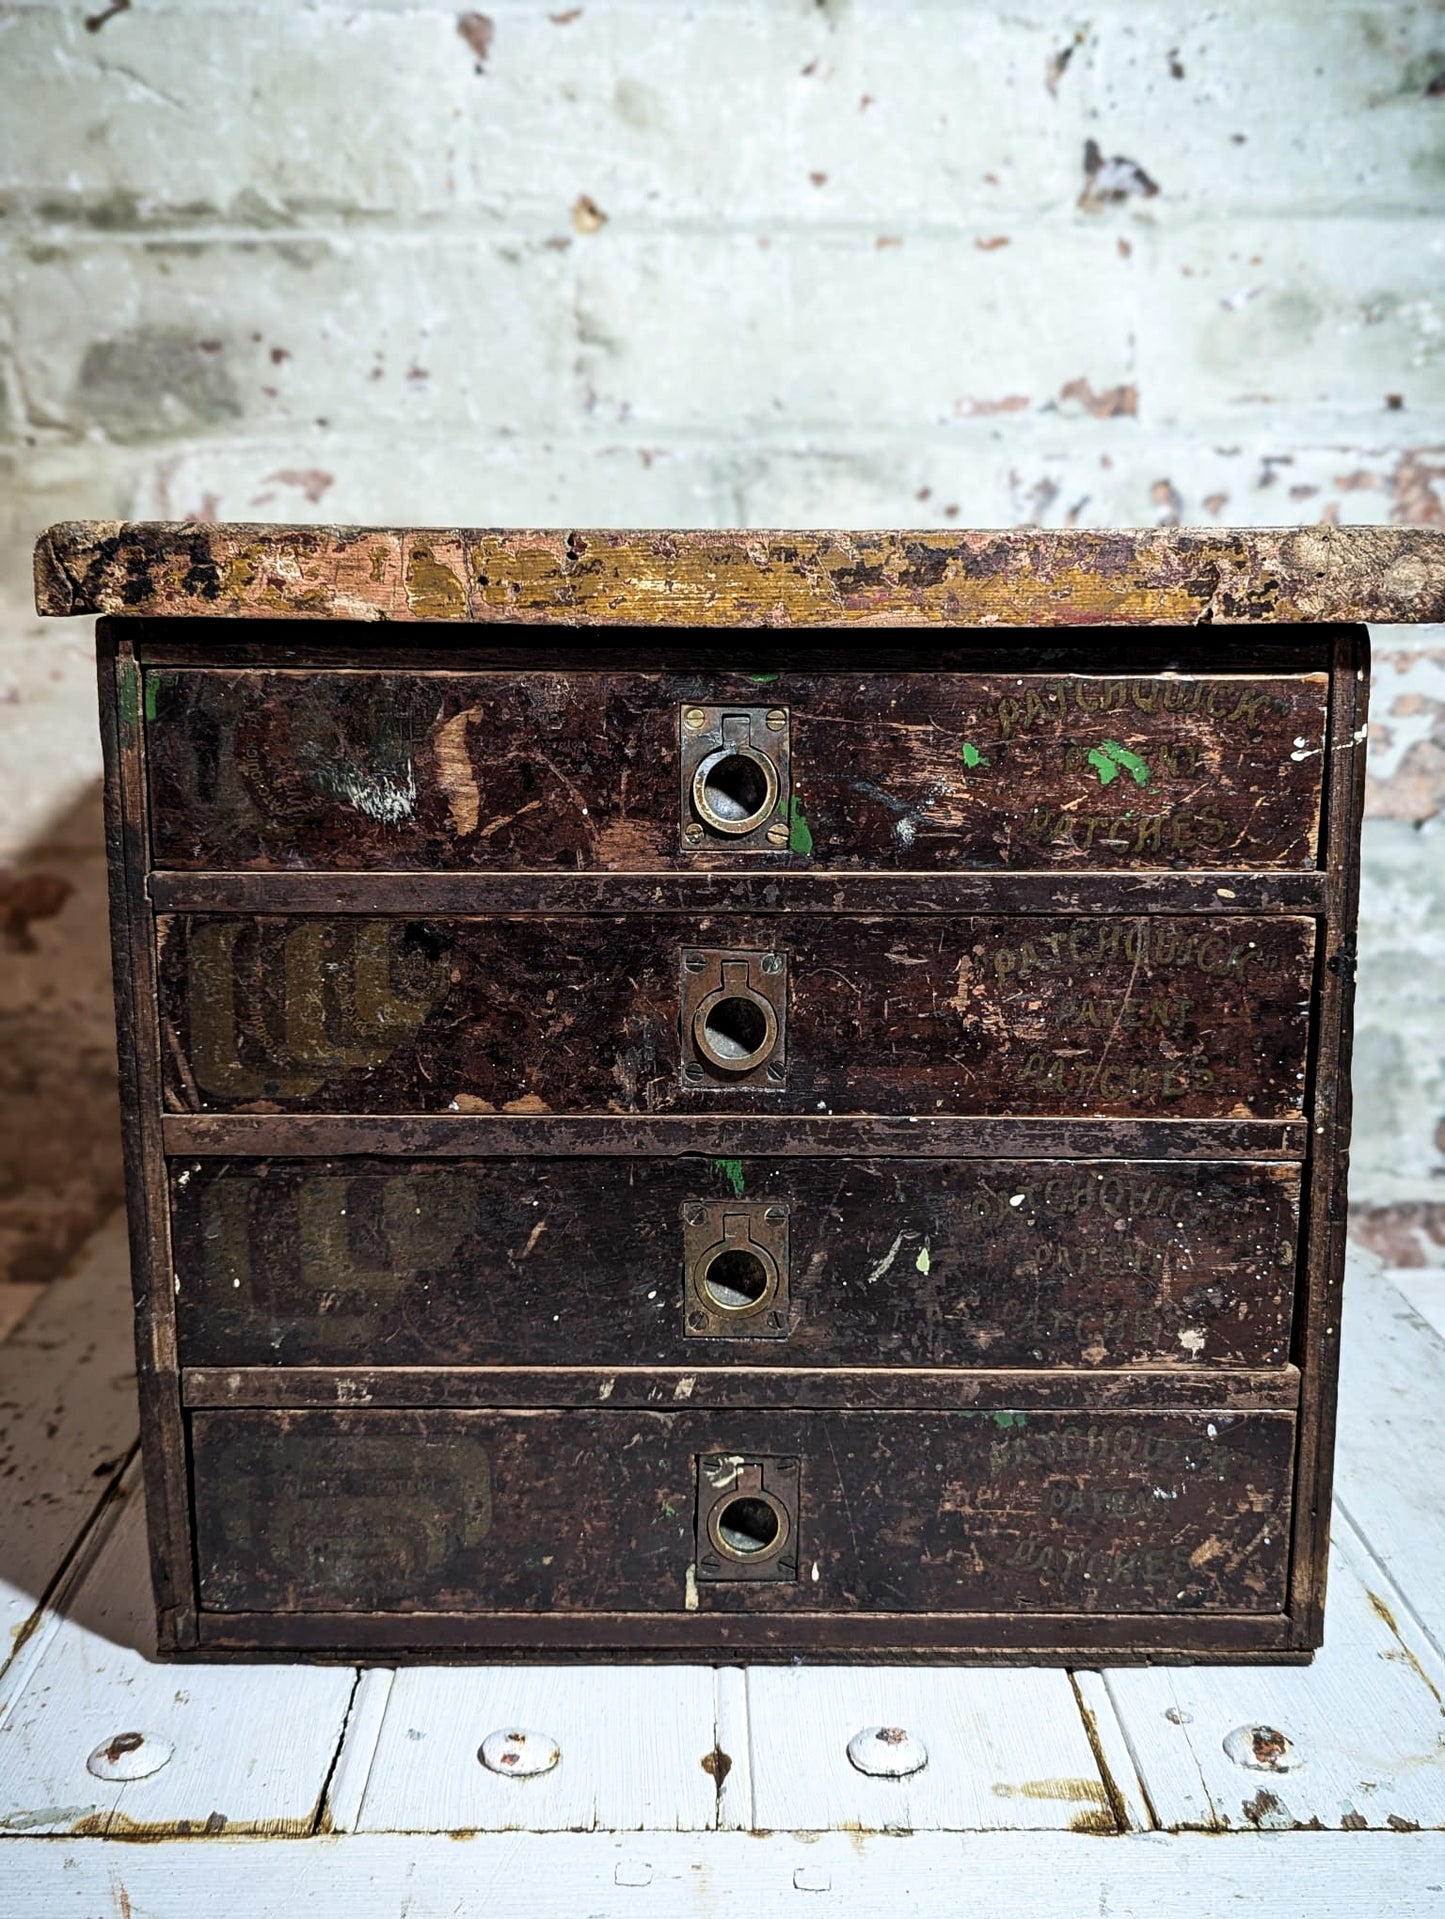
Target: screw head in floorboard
x=518, y=1755
x=1263, y=1749
x=130, y=1755
x=887, y=1752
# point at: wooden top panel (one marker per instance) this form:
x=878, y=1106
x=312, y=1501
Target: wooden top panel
x=1020, y=577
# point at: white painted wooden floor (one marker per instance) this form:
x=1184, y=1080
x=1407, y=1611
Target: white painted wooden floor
x=278, y=1791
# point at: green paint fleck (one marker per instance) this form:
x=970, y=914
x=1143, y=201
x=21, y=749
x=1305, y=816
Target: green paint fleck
x=971, y=756
x=153, y=687
x=669, y=1511
x=730, y=1172
x=800, y=834
x=1131, y=762
x=1107, y=759
x=763, y=679
x=1010, y=1419
x=923, y=1262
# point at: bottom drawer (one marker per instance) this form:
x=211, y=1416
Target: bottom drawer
x=444, y=1511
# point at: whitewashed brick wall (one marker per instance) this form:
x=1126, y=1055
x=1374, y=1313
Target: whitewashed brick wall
x=775, y=262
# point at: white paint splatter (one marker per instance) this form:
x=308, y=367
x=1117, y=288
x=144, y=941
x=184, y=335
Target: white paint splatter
x=386, y=800
x=887, y=1260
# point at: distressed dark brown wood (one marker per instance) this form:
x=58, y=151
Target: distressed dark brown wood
x=1055, y=1153
x=580, y=1262
x=1331, y=1111
x=901, y=770
x=1193, y=1018
x=616, y=1136
x=1219, y=894
x=756, y=652
x=167, y=1487
x=998, y=1639
x=1270, y=1389
x=568, y=1511
x=1019, y=577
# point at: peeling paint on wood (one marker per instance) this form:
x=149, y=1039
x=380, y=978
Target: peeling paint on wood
x=1169, y=576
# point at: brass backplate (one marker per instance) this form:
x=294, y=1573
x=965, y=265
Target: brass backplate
x=737, y=779
x=734, y=1020
x=747, y=1517
x=735, y=1266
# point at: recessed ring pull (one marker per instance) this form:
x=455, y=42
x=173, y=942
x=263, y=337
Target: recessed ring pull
x=733, y=1019
x=735, y=1028
x=735, y=1269
x=736, y=766
x=735, y=790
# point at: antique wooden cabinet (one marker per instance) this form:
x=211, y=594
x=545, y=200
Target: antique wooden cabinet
x=736, y=1095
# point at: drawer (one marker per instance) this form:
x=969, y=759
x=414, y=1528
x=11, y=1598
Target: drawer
x=688, y=1262
x=626, y=770
x=1159, y=1016
x=433, y=1511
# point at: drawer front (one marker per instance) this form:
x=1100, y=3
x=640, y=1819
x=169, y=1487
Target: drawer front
x=573, y=1511
x=908, y=771
x=725, y=1262
x=1164, y=1017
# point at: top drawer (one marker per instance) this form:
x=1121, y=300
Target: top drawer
x=920, y=771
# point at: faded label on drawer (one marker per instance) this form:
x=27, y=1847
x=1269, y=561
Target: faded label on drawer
x=1168, y=1017
x=1114, y=1512
x=909, y=771
x=893, y=1262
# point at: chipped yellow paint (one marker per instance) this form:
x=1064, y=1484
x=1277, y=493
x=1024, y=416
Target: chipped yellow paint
x=433, y=591
x=1019, y=577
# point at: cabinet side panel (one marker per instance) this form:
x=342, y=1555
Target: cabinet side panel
x=1327, y=1180
x=133, y=963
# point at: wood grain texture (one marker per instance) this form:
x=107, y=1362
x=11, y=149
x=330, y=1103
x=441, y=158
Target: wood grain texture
x=771, y=890
x=1331, y=1111
x=966, y=1389
x=907, y=771
x=1184, y=1018
x=67, y=1425
x=1055, y=1638
x=509, y=1135
x=1392, y=1439
x=1364, y=1726
x=580, y=1262
x=680, y=1875
x=569, y=1511
x=252, y=1750
x=1010, y=578
x=133, y=961
x=633, y=1743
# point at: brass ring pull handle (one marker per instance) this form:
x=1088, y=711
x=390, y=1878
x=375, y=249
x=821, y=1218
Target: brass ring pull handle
x=750, y=1526
x=735, y=1028
x=737, y=1276
x=735, y=789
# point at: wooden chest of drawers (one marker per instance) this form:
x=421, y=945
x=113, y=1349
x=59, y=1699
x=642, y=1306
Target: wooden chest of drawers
x=663, y=1124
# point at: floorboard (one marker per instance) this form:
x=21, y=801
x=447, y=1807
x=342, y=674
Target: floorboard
x=728, y=1875
x=67, y=1425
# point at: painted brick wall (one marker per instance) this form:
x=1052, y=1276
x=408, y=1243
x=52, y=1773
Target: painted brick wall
x=827, y=262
